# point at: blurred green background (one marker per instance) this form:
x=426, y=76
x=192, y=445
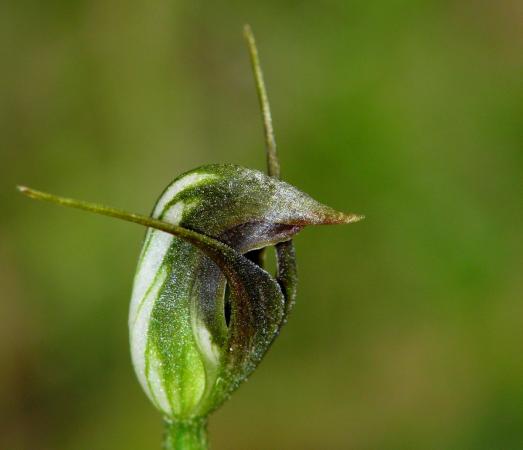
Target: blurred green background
x=408, y=329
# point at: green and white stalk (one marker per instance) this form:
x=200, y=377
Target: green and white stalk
x=203, y=310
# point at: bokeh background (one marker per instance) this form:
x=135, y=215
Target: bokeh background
x=409, y=326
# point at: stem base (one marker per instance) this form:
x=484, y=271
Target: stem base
x=185, y=435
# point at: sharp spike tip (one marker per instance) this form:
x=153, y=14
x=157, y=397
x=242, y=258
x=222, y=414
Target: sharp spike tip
x=353, y=218
x=25, y=190
x=337, y=217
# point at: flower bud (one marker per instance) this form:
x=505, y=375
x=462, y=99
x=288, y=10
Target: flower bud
x=203, y=313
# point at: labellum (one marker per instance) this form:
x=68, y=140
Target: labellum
x=204, y=311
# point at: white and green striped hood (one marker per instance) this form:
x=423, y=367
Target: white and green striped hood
x=193, y=338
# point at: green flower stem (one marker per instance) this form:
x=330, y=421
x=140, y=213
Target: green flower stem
x=190, y=435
